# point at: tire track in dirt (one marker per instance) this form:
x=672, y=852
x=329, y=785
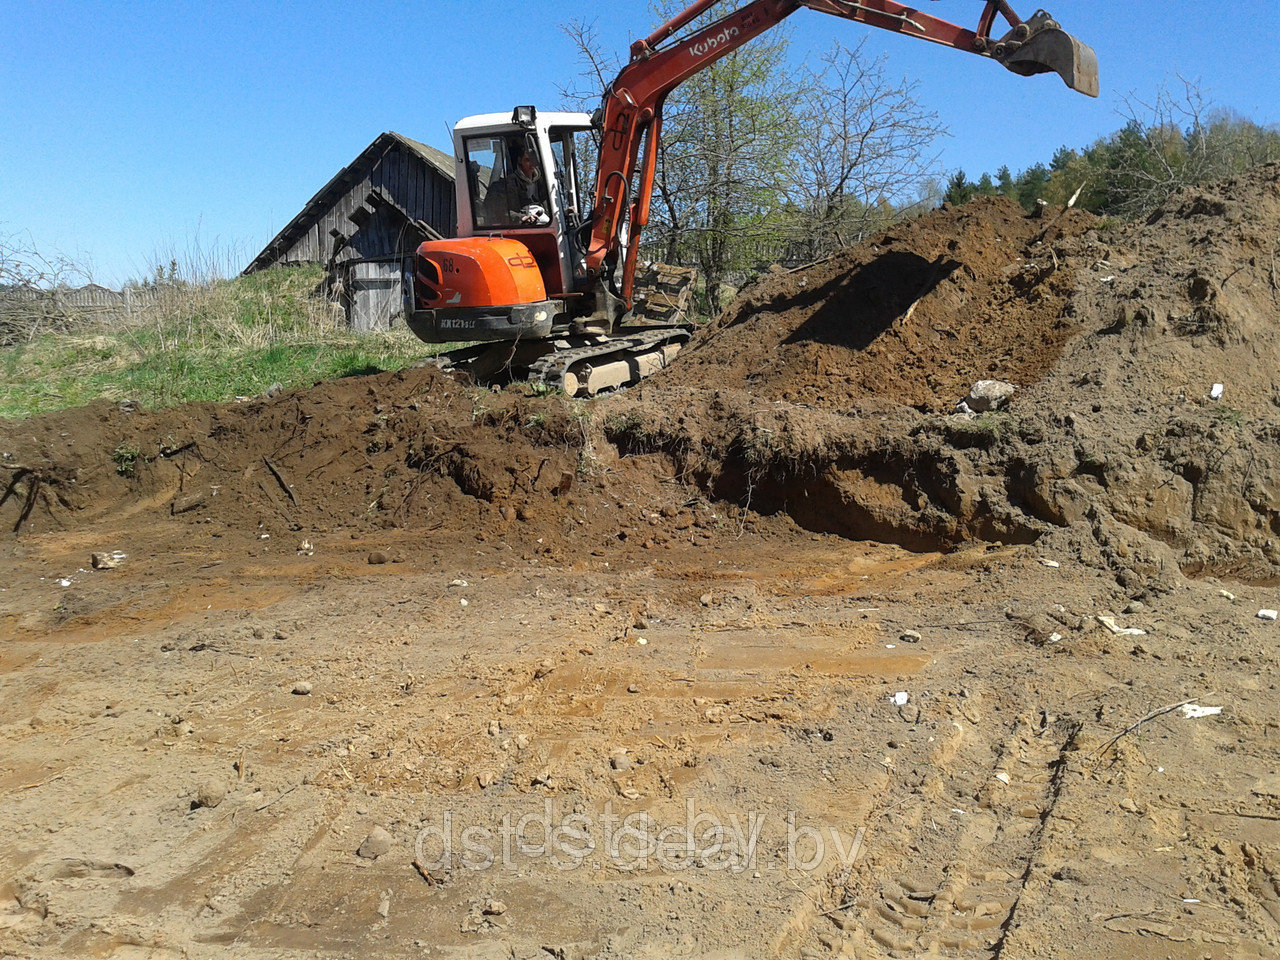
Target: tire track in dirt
x=953, y=887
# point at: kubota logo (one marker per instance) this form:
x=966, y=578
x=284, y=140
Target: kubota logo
x=713, y=43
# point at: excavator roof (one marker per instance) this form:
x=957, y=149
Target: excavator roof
x=490, y=122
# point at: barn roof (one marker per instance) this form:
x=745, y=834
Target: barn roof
x=355, y=171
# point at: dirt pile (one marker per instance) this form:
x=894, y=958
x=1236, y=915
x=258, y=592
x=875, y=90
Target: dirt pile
x=1116, y=337
x=413, y=450
x=913, y=317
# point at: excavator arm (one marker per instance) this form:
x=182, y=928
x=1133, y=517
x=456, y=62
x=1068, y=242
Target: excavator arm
x=632, y=111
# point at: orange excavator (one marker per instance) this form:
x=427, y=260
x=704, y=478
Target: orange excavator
x=546, y=284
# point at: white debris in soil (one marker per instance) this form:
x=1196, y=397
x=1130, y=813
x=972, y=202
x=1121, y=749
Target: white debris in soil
x=1193, y=711
x=987, y=395
x=1110, y=623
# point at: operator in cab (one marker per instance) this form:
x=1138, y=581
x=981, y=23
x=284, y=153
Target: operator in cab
x=520, y=196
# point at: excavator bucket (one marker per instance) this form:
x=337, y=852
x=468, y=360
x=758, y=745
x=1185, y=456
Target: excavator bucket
x=1050, y=49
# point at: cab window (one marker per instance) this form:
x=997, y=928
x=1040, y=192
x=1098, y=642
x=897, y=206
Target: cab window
x=506, y=181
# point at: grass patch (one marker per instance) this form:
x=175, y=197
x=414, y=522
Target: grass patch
x=208, y=341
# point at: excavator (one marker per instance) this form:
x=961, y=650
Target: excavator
x=544, y=285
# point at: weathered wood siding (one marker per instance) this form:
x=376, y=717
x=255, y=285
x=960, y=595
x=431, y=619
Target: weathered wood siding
x=363, y=224
x=373, y=294
x=411, y=184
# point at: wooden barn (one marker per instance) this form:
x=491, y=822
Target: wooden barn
x=365, y=220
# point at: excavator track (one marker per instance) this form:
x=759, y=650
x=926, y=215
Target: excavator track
x=585, y=366
x=582, y=365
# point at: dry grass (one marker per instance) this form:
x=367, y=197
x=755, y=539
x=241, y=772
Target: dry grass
x=185, y=340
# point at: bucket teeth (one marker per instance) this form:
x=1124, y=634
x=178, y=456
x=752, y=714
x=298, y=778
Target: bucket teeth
x=1050, y=49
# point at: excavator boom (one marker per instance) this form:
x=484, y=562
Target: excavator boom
x=633, y=104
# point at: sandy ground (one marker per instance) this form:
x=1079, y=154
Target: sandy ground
x=982, y=818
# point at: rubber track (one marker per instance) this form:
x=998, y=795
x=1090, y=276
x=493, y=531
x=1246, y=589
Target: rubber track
x=552, y=368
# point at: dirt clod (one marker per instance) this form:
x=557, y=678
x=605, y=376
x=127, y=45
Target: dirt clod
x=211, y=794
x=376, y=844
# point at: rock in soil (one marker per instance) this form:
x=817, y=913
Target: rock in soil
x=211, y=794
x=377, y=843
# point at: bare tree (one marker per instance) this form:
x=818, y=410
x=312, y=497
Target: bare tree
x=868, y=144
x=1178, y=139
x=32, y=291
x=761, y=161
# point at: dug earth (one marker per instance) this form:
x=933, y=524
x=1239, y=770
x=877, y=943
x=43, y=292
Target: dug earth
x=776, y=655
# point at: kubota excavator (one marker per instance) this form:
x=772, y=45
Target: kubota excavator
x=554, y=282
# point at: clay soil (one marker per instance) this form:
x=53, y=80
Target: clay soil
x=951, y=686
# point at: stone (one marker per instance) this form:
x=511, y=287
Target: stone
x=988, y=395
x=910, y=636
x=620, y=761
x=375, y=844
x=494, y=908
x=103, y=561
x=302, y=689
x=211, y=794
x=1136, y=607
x=378, y=557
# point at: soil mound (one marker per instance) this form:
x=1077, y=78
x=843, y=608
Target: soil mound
x=413, y=449
x=913, y=317
x=1117, y=337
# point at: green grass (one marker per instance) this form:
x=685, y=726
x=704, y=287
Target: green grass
x=212, y=341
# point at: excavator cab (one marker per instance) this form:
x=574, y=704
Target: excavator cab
x=515, y=261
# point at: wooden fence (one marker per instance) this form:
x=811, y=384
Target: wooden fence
x=28, y=311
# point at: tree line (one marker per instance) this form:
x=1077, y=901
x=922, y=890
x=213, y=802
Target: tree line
x=1168, y=143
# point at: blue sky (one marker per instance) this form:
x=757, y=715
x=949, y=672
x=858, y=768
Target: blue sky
x=129, y=130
